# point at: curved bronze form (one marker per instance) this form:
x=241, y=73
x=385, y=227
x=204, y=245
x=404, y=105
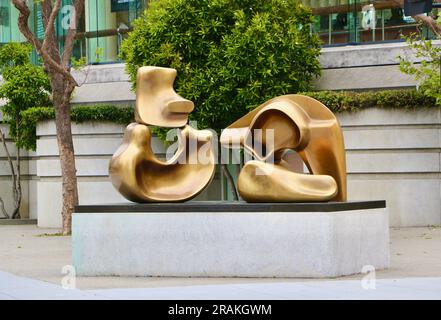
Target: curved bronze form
x=157, y=104
x=134, y=169
x=298, y=123
x=140, y=177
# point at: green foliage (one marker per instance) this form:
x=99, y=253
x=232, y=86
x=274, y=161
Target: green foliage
x=230, y=55
x=340, y=101
x=98, y=54
x=78, y=64
x=428, y=72
x=14, y=54
x=25, y=86
x=104, y=113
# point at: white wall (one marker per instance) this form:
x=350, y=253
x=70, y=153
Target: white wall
x=391, y=154
x=373, y=66
x=395, y=155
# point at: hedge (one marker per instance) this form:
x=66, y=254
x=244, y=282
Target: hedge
x=104, y=113
x=336, y=101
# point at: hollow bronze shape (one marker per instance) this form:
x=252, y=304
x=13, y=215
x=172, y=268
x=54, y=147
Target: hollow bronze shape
x=134, y=169
x=299, y=123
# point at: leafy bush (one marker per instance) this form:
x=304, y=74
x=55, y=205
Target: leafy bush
x=428, y=72
x=230, y=55
x=340, y=101
x=104, y=113
x=25, y=86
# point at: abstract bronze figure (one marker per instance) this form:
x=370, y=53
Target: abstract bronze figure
x=134, y=169
x=298, y=123
x=290, y=122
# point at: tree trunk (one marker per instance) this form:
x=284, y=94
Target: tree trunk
x=17, y=188
x=61, y=99
x=57, y=66
x=16, y=182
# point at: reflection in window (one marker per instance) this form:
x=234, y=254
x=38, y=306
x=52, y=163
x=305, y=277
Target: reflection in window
x=106, y=24
x=341, y=21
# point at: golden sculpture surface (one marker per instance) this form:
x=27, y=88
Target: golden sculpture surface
x=291, y=122
x=298, y=123
x=134, y=169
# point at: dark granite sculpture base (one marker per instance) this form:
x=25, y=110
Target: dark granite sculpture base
x=238, y=206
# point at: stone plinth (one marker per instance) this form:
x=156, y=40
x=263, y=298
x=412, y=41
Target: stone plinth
x=218, y=239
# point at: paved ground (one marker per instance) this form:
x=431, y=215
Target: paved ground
x=26, y=251
x=18, y=288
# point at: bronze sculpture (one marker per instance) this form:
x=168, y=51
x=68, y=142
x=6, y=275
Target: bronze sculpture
x=296, y=122
x=134, y=169
x=299, y=123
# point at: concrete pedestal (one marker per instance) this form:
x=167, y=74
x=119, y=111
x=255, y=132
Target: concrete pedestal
x=217, y=239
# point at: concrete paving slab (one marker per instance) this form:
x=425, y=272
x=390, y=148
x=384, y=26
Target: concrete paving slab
x=35, y=253
x=5, y=297
x=386, y=289
x=18, y=288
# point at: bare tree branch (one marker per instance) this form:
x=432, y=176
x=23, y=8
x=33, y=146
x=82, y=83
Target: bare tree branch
x=23, y=17
x=3, y=210
x=8, y=156
x=17, y=188
x=49, y=15
x=428, y=21
x=46, y=9
x=86, y=75
x=70, y=37
x=15, y=182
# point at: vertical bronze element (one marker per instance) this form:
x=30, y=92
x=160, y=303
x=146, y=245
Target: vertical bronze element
x=134, y=169
x=157, y=104
x=298, y=123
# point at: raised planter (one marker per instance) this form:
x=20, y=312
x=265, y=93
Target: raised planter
x=218, y=239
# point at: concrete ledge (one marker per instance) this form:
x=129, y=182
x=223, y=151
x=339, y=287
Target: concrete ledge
x=17, y=222
x=230, y=244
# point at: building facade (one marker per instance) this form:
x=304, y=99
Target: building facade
x=100, y=32
x=105, y=23
x=359, y=52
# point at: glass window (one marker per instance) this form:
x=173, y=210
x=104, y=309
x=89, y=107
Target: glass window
x=359, y=21
x=106, y=24
x=8, y=23
x=103, y=25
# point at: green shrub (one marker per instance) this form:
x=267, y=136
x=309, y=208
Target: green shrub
x=230, y=55
x=339, y=101
x=24, y=86
x=428, y=71
x=104, y=113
